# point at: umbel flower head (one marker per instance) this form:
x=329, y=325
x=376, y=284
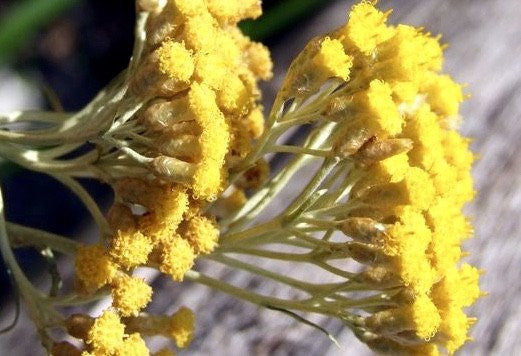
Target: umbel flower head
x=194, y=87
x=393, y=178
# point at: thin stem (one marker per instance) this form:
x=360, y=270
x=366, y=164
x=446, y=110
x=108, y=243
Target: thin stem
x=299, y=150
x=296, y=257
x=295, y=283
x=31, y=159
x=23, y=236
x=295, y=208
x=34, y=116
x=257, y=230
x=264, y=301
x=41, y=313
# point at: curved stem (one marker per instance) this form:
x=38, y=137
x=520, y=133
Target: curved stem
x=261, y=300
x=41, y=313
x=26, y=236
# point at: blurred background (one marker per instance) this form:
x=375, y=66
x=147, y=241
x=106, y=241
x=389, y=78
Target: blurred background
x=56, y=54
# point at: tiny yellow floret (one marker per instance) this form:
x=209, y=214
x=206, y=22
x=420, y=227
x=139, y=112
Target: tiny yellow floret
x=133, y=345
x=106, y=334
x=332, y=59
x=182, y=325
x=94, y=267
x=130, y=249
x=177, y=258
x=175, y=60
x=130, y=294
x=202, y=234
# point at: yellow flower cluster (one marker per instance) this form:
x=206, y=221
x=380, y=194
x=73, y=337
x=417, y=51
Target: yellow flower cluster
x=203, y=75
x=199, y=77
x=109, y=335
x=408, y=223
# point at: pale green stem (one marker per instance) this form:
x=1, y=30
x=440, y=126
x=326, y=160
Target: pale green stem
x=75, y=299
x=295, y=257
x=294, y=209
x=33, y=116
x=257, y=230
x=298, y=150
x=40, y=312
x=25, y=236
x=295, y=283
x=265, y=301
x=31, y=159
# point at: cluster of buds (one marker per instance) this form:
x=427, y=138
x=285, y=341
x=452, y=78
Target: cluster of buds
x=394, y=178
x=195, y=78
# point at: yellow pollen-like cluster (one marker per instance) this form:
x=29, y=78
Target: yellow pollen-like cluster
x=203, y=74
x=395, y=95
x=179, y=326
x=130, y=294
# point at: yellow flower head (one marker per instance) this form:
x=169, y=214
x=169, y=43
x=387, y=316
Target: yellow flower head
x=366, y=28
x=408, y=54
x=177, y=257
x=421, y=316
x=181, y=327
x=94, y=268
x=332, y=59
x=106, y=334
x=378, y=111
x=213, y=140
x=454, y=328
x=133, y=345
x=443, y=94
x=130, y=249
x=202, y=234
x=175, y=60
x=130, y=294
x=234, y=10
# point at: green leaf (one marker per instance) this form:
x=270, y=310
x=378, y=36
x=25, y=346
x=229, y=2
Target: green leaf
x=279, y=17
x=23, y=20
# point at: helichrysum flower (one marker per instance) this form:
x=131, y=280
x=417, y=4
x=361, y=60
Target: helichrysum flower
x=94, y=268
x=376, y=95
x=106, y=334
x=130, y=294
x=178, y=327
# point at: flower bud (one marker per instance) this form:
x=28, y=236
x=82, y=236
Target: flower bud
x=78, y=325
x=64, y=348
x=377, y=150
x=363, y=229
x=154, y=6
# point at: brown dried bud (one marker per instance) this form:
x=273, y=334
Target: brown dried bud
x=366, y=254
x=185, y=147
x=349, y=143
x=78, y=325
x=161, y=115
x=255, y=176
x=64, y=348
x=120, y=217
x=379, y=277
x=363, y=230
x=376, y=150
x=386, y=346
